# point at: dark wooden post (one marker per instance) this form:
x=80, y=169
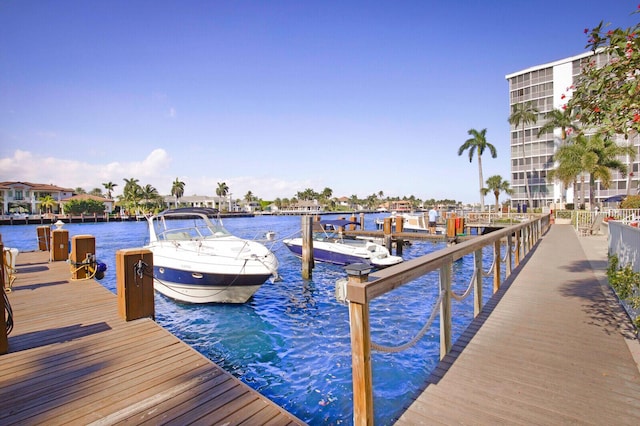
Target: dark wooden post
x=4, y=341
x=307, y=247
x=134, y=281
x=386, y=230
x=44, y=238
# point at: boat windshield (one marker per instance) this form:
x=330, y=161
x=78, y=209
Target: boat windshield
x=189, y=229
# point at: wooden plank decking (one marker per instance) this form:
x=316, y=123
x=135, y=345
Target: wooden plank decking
x=72, y=360
x=556, y=349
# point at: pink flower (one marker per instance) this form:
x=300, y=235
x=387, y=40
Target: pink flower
x=562, y=96
x=586, y=30
x=636, y=117
x=564, y=106
x=596, y=109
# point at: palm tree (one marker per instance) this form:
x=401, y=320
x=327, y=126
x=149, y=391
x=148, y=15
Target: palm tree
x=523, y=114
x=563, y=119
x=248, y=197
x=222, y=190
x=129, y=184
x=131, y=194
x=478, y=142
x=150, y=196
x=496, y=185
x=595, y=155
x=48, y=203
x=568, y=169
x=177, y=189
x=109, y=187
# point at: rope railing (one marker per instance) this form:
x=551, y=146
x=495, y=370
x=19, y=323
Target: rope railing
x=361, y=291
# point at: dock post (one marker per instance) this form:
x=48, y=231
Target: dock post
x=496, y=269
x=477, y=293
x=83, y=247
x=307, y=247
x=445, y=309
x=358, y=273
x=399, y=241
x=4, y=341
x=44, y=238
x=352, y=219
x=134, y=282
x=387, y=233
x=362, y=221
x=509, y=255
x=60, y=245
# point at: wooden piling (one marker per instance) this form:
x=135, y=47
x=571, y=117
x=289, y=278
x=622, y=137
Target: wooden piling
x=307, y=247
x=44, y=238
x=83, y=247
x=361, y=358
x=59, y=245
x=4, y=340
x=134, y=282
x=445, y=309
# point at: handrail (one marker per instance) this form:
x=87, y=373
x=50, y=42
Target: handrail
x=361, y=291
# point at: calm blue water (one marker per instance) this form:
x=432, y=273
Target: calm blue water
x=291, y=341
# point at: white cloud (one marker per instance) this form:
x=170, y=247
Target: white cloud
x=155, y=169
x=28, y=167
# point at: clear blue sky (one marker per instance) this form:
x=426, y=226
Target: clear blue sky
x=272, y=97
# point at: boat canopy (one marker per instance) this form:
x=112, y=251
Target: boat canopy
x=206, y=211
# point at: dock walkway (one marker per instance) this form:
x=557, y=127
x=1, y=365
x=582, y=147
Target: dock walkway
x=556, y=349
x=73, y=360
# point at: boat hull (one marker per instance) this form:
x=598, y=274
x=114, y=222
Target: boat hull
x=194, y=287
x=327, y=256
x=190, y=273
x=341, y=254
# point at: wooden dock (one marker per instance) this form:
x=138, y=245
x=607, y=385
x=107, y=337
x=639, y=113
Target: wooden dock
x=72, y=360
x=554, y=347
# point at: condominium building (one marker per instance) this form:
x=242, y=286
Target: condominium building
x=547, y=87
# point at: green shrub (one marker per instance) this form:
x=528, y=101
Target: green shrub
x=631, y=202
x=626, y=283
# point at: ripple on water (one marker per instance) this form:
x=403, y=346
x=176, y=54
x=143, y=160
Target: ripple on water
x=291, y=342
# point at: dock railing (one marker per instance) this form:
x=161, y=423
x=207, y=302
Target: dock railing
x=519, y=239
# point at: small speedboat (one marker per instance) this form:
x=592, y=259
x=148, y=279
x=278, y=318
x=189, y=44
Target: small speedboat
x=197, y=260
x=330, y=245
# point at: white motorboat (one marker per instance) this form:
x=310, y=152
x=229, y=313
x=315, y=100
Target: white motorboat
x=332, y=246
x=197, y=260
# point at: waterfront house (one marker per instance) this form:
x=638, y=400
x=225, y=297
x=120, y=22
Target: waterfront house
x=25, y=197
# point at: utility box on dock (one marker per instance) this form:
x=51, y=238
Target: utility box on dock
x=60, y=245
x=134, y=276
x=44, y=238
x=81, y=246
